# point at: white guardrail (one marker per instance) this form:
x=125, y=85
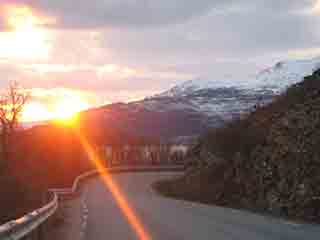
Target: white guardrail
x=22, y=227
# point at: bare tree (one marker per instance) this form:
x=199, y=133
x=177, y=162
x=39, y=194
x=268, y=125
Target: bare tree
x=12, y=102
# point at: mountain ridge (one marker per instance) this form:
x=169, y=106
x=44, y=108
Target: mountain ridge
x=276, y=78
x=188, y=110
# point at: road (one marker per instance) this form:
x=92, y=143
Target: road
x=170, y=219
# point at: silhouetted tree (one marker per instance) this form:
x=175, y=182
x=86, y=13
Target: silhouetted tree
x=12, y=102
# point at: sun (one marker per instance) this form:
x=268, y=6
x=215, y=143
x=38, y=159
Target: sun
x=64, y=111
x=60, y=107
x=67, y=109
x=25, y=39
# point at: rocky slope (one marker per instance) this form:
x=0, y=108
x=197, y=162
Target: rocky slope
x=268, y=161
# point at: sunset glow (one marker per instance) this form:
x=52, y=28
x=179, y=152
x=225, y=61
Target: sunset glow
x=25, y=38
x=60, y=107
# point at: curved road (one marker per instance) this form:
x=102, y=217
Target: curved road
x=169, y=219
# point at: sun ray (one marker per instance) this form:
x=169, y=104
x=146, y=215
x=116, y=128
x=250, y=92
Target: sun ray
x=121, y=201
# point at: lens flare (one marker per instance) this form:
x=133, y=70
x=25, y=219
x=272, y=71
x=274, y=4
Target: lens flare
x=121, y=201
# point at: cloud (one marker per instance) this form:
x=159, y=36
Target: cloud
x=107, y=79
x=111, y=13
x=117, y=47
x=233, y=36
x=145, y=13
x=272, y=6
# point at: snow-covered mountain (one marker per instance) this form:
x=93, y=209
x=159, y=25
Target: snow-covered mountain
x=284, y=74
x=193, y=107
x=276, y=78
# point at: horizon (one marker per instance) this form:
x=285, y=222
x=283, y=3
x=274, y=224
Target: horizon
x=71, y=61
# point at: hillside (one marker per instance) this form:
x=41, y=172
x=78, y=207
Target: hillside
x=267, y=161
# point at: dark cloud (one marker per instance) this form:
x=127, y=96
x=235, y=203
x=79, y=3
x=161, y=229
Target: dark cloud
x=142, y=13
x=215, y=36
x=283, y=6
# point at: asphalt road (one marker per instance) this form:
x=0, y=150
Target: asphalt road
x=170, y=219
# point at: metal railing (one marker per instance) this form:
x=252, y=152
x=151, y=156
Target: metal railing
x=17, y=229
x=30, y=223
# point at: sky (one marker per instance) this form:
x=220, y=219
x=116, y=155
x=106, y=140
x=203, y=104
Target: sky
x=101, y=51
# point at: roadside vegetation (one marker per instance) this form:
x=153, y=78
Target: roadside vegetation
x=269, y=160
x=33, y=160
x=12, y=102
